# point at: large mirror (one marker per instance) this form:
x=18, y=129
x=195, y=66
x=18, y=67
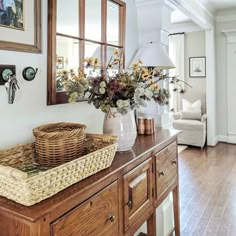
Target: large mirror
x=80, y=29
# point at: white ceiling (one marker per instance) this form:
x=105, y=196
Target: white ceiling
x=178, y=17
x=212, y=5
x=215, y=5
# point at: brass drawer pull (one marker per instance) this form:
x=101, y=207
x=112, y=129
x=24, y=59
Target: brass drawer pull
x=111, y=218
x=174, y=162
x=161, y=173
x=129, y=203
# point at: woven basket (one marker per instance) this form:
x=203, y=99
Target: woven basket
x=28, y=189
x=59, y=143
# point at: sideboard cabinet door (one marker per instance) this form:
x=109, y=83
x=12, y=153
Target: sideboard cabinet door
x=98, y=216
x=166, y=168
x=137, y=192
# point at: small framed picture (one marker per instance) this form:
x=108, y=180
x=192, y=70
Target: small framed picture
x=60, y=63
x=197, y=67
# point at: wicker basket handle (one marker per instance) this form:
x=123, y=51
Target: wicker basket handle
x=104, y=137
x=41, y=132
x=12, y=172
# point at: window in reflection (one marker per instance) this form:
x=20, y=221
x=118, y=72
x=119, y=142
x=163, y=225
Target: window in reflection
x=67, y=60
x=93, y=19
x=112, y=23
x=68, y=17
x=93, y=51
x=117, y=65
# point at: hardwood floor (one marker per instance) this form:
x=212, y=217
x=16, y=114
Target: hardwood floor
x=208, y=191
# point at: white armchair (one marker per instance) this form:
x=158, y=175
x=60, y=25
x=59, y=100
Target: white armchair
x=193, y=130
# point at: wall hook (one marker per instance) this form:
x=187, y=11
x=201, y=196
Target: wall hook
x=29, y=73
x=5, y=72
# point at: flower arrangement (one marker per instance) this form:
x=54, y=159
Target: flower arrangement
x=123, y=91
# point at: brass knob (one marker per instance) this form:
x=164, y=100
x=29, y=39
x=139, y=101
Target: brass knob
x=111, y=218
x=129, y=203
x=174, y=162
x=161, y=173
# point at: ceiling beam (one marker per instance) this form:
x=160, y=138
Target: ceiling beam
x=196, y=11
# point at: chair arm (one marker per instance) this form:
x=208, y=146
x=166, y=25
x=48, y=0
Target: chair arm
x=176, y=115
x=204, y=118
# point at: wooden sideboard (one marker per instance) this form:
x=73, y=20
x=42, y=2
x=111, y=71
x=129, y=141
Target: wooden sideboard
x=115, y=201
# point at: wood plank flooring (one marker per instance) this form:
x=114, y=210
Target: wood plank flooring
x=208, y=191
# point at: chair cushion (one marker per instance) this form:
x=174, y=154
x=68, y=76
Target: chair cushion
x=191, y=125
x=192, y=115
x=188, y=106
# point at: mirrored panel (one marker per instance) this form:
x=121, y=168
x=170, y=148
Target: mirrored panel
x=68, y=17
x=93, y=19
x=67, y=60
x=112, y=23
x=93, y=52
x=114, y=61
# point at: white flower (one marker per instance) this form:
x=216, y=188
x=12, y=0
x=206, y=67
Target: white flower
x=148, y=93
x=102, y=90
x=123, y=104
x=102, y=84
x=139, y=91
x=126, y=103
x=74, y=95
x=119, y=103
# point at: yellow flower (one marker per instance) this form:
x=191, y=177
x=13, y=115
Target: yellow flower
x=116, y=61
x=96, y=61
x=81, y=74
x=151, y=73
x=90, y=61
x=145, y=70
x=153, y=85
x=135, y=66
x=75, y=77
x=116, y=52
x=145, y=76
x=109, y=65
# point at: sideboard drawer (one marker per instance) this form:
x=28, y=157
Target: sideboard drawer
x=137, y=192
x=166, y=168
x=98, y=216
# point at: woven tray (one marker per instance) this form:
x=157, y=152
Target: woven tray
x=24, y=181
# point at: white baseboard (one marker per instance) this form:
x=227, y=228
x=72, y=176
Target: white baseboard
x=231, y=138
x=227, y=138
x=222, y=138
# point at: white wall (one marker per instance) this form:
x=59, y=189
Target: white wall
x=30, y=110
x=194, y=47
x=221, y=72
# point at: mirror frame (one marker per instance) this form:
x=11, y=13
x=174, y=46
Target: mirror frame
x=54, y=97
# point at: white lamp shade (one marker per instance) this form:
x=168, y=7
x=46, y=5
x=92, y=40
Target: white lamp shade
x=153, y=55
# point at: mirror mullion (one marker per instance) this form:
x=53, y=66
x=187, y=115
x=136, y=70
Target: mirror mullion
x=122, y=30
x=81, y=11
x=104, y=35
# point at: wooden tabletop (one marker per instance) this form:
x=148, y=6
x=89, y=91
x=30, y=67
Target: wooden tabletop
x=122, y=163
